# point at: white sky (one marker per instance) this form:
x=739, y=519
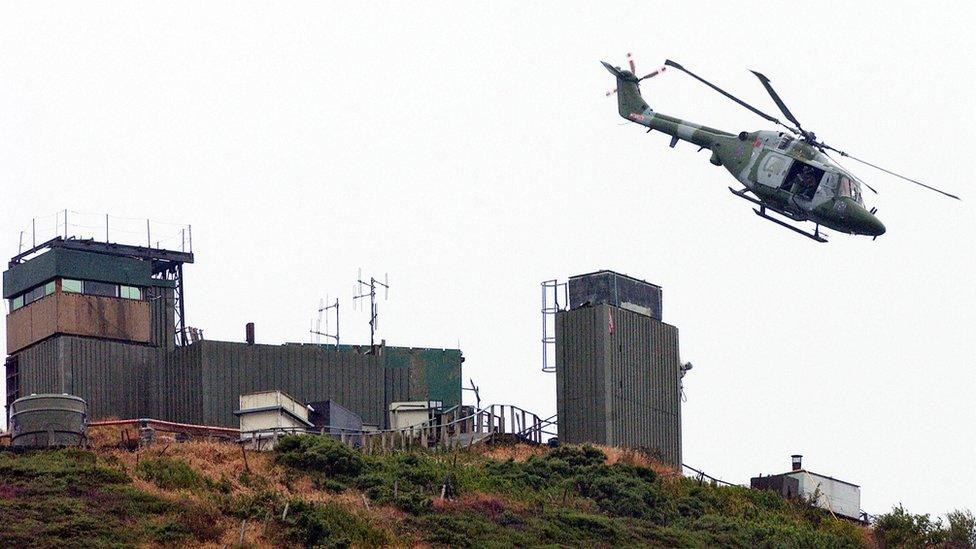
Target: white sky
x=468, y=150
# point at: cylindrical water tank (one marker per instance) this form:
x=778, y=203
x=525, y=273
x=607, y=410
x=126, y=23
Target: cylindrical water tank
x=39, y=421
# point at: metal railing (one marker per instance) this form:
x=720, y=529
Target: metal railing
x=452, y=428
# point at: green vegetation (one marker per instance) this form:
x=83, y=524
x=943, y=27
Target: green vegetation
x=69, y=497
x=568, y=496
x=314, y=491
x=899, y=528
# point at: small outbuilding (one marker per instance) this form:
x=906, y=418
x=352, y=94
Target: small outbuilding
x=841, y=498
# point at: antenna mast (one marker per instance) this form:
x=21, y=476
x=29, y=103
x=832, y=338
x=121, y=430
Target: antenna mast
x=371, y=294
x=323, y=308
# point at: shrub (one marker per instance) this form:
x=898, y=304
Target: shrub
x=170, y=474
x=329, y=525
x=962, y=529
x=318, y=453
x=202, y=520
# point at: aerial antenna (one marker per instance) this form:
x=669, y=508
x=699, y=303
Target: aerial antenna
x=477, y=394
x=362, y=294
x=324, y=311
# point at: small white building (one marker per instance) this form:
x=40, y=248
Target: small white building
x=412, y=413
x=266, y=415
x=841, y=498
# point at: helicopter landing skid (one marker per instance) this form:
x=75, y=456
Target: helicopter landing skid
x=761, y=212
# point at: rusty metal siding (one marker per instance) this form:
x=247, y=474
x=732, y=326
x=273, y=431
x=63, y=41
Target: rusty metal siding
x=620, y=388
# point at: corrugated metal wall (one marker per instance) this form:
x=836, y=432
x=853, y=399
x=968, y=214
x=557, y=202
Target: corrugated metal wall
x=581, y=376
x=107, y=374
x=621, y=388
x=201, y=383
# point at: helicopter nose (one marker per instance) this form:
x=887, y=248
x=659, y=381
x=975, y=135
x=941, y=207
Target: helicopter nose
x=873, y=226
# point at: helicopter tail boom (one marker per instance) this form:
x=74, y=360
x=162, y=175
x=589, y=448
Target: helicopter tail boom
x=631, y=105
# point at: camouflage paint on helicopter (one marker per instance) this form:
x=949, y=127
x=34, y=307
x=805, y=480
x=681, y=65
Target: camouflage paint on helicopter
x=789, y=175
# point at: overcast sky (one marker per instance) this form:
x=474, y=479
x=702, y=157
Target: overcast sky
x=468, y=150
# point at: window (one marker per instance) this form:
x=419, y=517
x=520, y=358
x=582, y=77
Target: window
x=71, y=286
x=33, y=295
x=16, y=303
x=101, y=288
x=130, y=292
x=49, y=288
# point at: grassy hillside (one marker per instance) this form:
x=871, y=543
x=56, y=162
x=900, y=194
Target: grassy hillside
x=315, y=492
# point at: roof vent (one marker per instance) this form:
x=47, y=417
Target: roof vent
x=797, y=462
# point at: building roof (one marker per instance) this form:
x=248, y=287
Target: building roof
x=615, y=273
x=811, y=473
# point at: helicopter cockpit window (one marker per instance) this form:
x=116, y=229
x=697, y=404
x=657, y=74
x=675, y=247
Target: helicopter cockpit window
x=784, y=142
x=850, y=189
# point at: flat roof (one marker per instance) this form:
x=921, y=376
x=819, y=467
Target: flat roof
x=608, y=271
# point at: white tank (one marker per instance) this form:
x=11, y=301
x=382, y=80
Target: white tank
x=40, y=421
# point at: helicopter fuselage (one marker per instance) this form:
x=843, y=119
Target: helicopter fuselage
x=786, y=175
x=797, y=180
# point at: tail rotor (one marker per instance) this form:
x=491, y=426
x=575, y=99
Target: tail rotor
x=633, y=73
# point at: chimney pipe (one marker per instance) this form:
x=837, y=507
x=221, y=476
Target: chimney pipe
x=249, y=333
x=797, y=462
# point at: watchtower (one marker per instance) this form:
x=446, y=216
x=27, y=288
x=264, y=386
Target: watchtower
x=618, y=371
x=86, y=289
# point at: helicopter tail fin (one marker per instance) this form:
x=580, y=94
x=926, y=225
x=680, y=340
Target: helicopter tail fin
x=629, y=101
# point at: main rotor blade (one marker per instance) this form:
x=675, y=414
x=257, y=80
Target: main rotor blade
x=671, y=63
x=779, y=102
x=919, y=183
x=875, y=191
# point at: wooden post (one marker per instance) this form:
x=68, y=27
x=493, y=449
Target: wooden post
x=524, y=425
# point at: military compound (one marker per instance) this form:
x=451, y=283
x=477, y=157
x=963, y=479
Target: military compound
x=101, y=321
x=105, y=322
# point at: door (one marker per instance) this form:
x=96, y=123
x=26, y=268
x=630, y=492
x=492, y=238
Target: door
x=773, y=169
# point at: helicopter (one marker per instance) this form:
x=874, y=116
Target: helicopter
x=788, y=173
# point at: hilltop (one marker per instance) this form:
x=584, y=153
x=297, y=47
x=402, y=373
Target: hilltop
x=313, y=491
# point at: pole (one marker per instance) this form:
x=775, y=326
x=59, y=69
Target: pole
x=106, y=228
x=66, y=224
x=189, y=230
x=148, y=237
x=20, y=243
x=34, y=233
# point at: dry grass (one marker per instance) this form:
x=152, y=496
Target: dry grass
x=487, y=505
x=639, y=459
x=516, y=452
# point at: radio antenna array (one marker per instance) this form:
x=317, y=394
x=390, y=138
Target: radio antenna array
x=324, y=311
x=361, y=294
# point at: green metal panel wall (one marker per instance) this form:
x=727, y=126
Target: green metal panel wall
x=107, y=374
x=59, y=262
x=620, y=388
x=434, y=374
x=580, y=376
x=201, y=383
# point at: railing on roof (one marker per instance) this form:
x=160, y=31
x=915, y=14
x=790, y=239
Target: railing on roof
x=74, y=225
